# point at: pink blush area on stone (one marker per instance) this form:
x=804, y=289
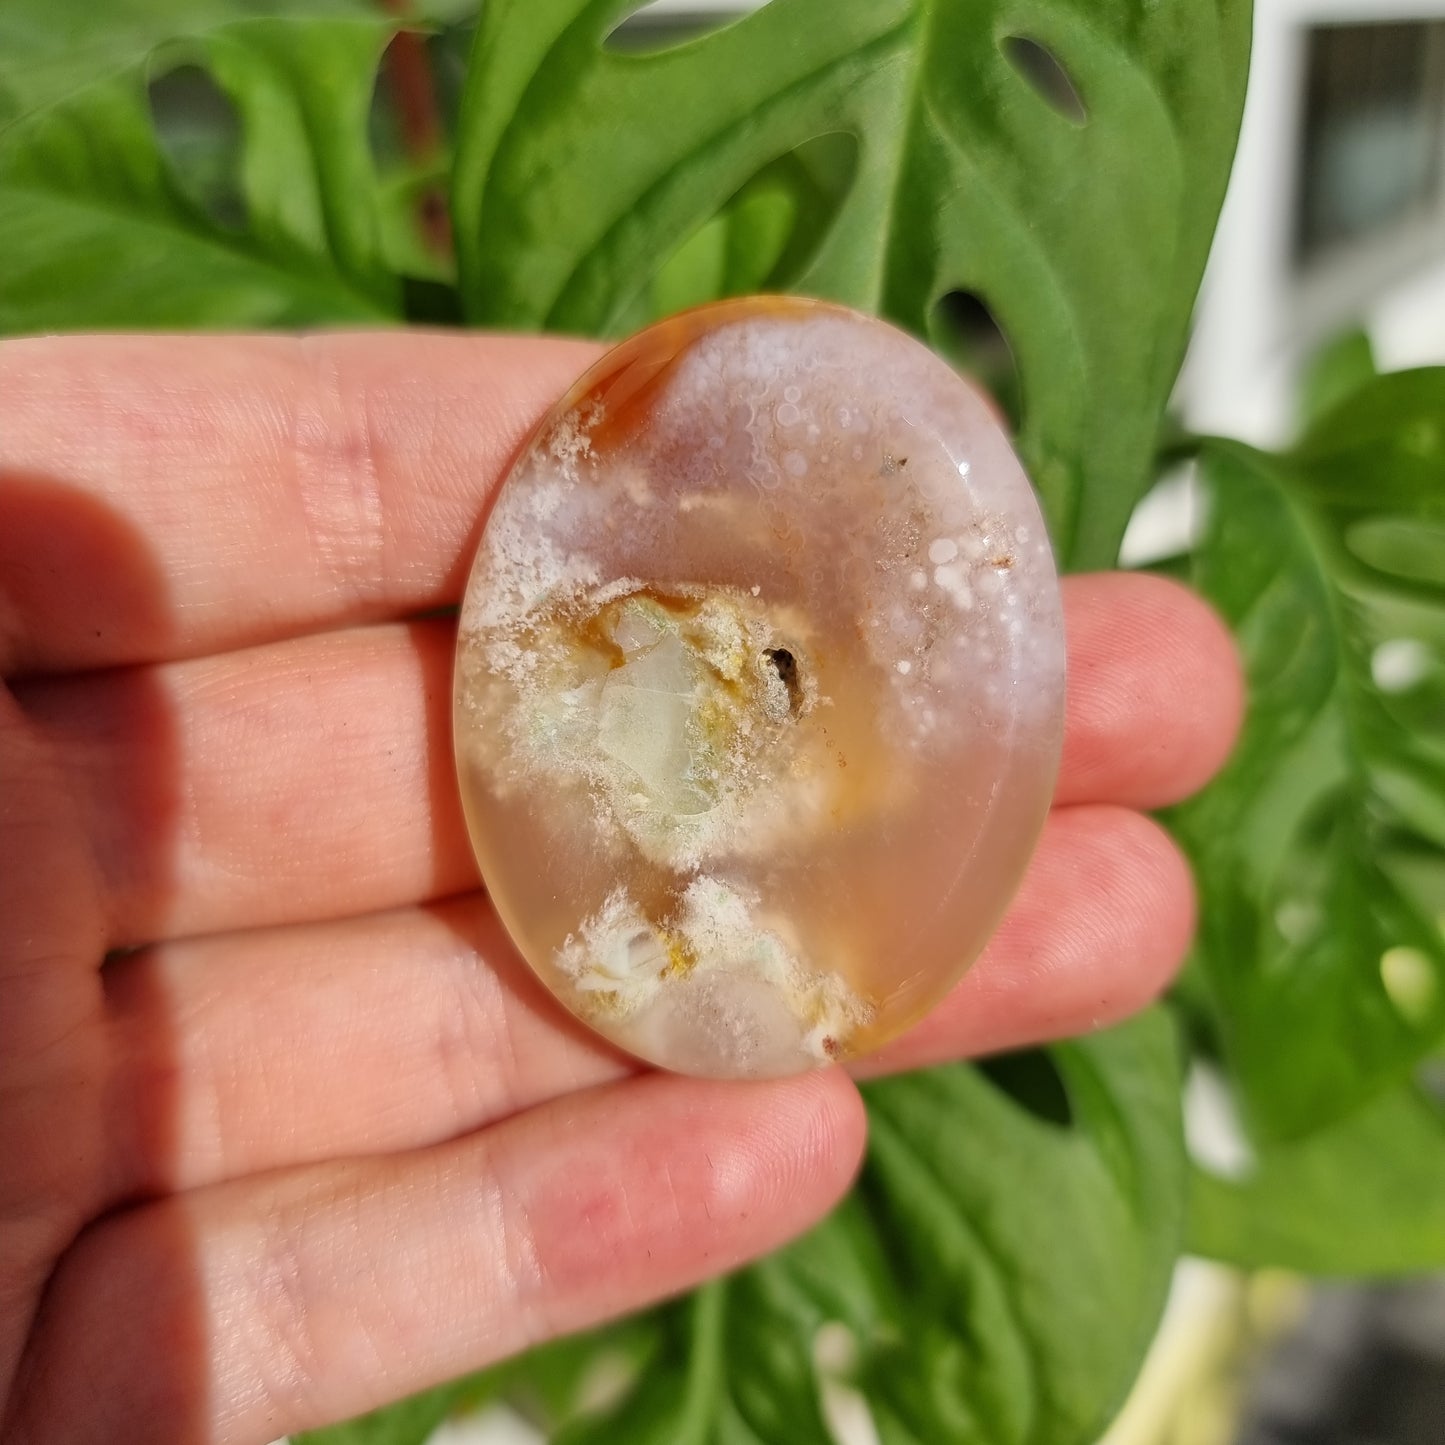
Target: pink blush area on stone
x=759, y=688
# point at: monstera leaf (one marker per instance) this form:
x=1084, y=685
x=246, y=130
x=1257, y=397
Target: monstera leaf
x=97, y=225
x=1321, y=938
x=1063, y=160
x=945, y=1298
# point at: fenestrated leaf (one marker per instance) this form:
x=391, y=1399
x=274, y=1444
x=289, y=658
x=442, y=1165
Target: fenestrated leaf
x=581, y=168
x=996, y=1278
x=1365, y=1196
x=96, y=229
x=50, y=49
x=1325, y=961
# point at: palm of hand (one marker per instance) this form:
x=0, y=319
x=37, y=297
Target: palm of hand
x=288, y=1129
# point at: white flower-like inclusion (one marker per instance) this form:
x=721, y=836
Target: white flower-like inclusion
x=680, y=712
x=759, y=688
x=714, y=971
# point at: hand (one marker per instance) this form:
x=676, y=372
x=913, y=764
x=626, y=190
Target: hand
x=288, y=1130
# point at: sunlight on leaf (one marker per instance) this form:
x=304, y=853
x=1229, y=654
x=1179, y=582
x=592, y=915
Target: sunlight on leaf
x=645, y=29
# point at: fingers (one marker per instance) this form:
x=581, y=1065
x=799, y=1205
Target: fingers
x=166, y=497
x=1155, y=691
x=307, y=780
x=314, y=779
x=397, y=1030
x=257, y=1308
x=414, y=1027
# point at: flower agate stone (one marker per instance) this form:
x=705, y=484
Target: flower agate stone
x=759, y=688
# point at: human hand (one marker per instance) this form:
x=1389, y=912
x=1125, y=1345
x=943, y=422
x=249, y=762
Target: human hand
x=288, y=1129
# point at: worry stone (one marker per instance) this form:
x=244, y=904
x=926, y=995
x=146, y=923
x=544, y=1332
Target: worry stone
x=759, y=688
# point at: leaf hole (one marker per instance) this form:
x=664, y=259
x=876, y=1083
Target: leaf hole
x=1400, y=664
x=659, y=26
x=607, y=1382
x=1168, y=522
x=963, y=328
x=448, y=52
x=198, y=130
x=1032, y=1080
x=762, y=238
x=1046, y=76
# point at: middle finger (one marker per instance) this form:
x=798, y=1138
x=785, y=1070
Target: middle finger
x=313, y=779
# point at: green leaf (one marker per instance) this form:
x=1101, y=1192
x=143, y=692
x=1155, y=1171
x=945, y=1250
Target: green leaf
x=1365, y=1196
x=49, y=49
x=1032, y=1260
x=582, y=168
x=1322, y=949
x=99, y=230
x=994, y=1280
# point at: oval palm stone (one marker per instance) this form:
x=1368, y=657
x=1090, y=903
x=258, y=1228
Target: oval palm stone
x=759, y=688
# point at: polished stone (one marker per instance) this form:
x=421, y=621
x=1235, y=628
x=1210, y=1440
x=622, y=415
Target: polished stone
x=759, y=688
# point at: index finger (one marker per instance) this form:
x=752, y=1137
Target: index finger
x=169, y=497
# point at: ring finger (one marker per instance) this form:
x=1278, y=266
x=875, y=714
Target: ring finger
x=313, y=779
x=408, y=1028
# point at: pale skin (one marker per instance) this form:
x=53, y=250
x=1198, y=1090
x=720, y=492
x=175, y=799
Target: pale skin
x=287, y=1129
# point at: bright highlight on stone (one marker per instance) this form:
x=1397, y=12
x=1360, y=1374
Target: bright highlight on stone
x=759, y=688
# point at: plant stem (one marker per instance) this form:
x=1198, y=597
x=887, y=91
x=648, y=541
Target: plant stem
x=412, y=84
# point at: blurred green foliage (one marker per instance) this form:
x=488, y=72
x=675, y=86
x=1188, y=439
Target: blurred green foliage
x=1324, y=954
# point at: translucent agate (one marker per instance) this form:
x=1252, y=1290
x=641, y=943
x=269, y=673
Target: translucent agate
x=759, y=688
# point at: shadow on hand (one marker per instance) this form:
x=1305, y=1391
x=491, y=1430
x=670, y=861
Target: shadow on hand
x=93, y=1345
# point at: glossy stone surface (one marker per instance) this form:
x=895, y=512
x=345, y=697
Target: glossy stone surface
x=759, y=688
